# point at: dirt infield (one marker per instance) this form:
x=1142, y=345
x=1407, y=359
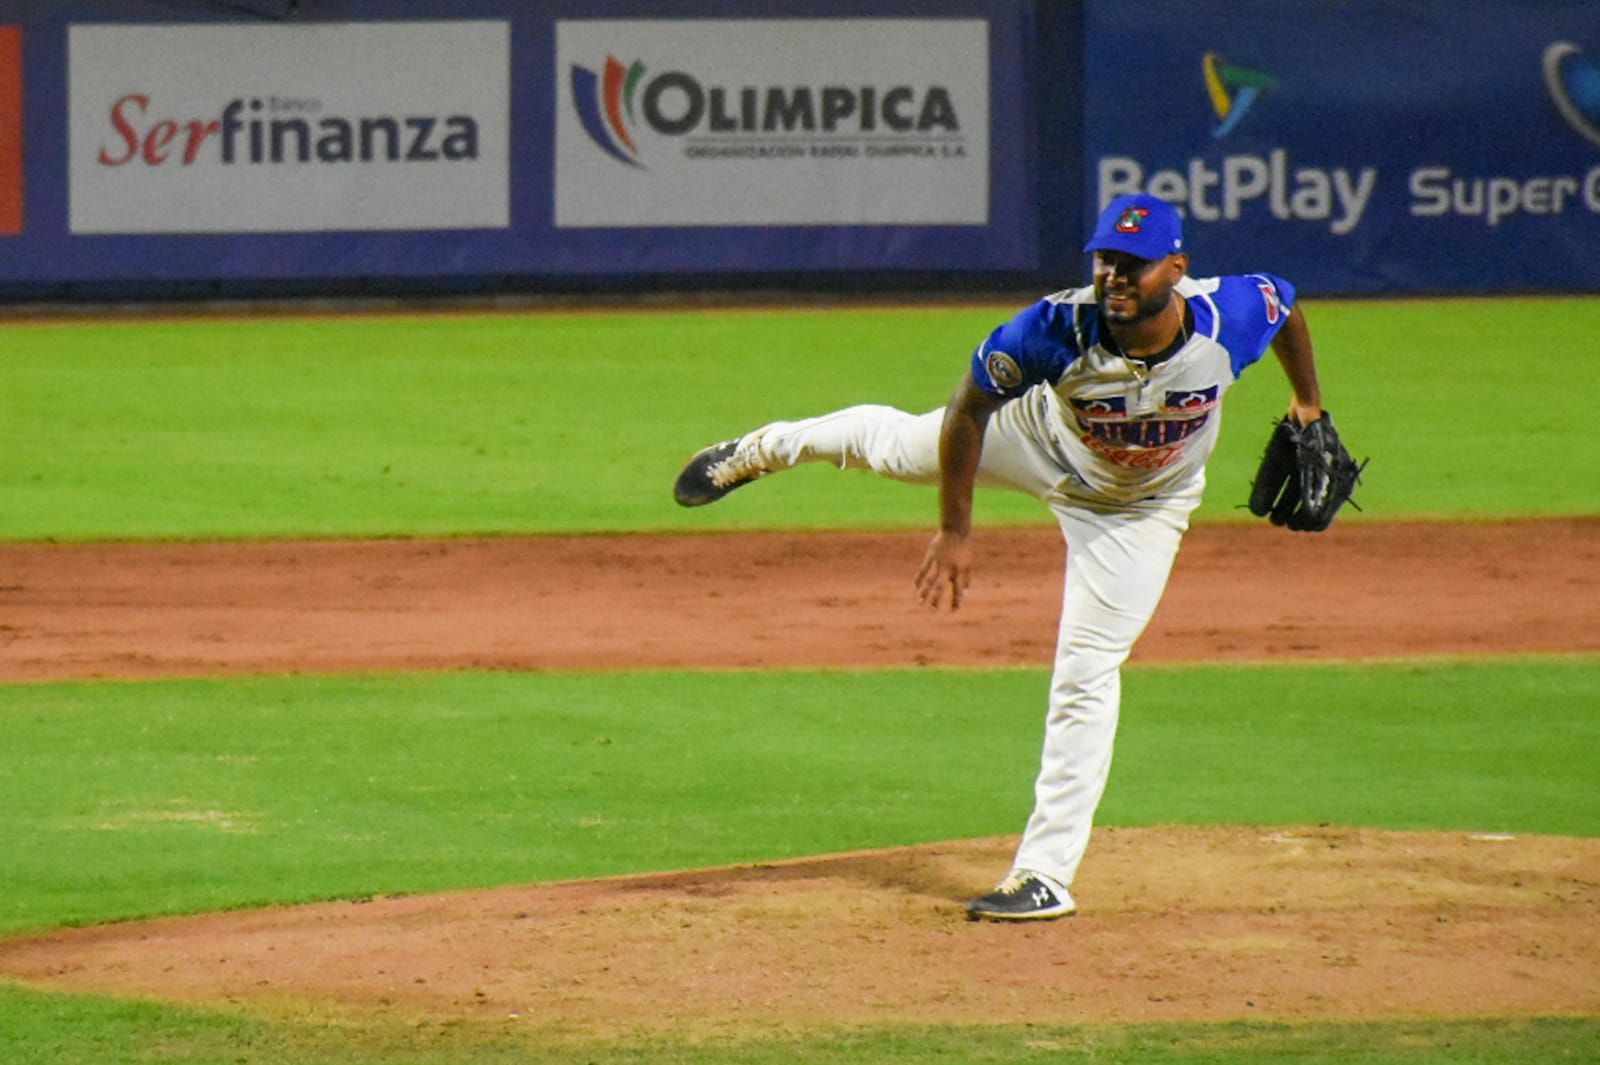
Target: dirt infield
x=1178, y=924
x=1238, y=593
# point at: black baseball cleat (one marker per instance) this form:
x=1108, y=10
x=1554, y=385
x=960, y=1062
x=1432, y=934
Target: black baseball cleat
x=717, y=470
x=1022, y=896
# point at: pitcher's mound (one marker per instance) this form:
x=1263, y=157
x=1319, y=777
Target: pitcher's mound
x=1175, y=924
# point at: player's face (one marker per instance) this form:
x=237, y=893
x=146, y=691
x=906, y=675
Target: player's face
x=1130, y=289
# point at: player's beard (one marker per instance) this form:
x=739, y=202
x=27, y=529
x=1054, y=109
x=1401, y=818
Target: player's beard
x=1145, y=308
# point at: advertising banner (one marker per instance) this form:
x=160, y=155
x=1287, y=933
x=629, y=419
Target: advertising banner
x=772, y=122
x=264, y=127
x=1378, y=146
x=1368, y=147
x=487, y=141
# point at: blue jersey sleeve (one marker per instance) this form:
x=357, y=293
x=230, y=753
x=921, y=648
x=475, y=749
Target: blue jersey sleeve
x=1035, y=347
x=1253, y=307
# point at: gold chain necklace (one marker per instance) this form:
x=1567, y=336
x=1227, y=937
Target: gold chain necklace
x=1133, y=364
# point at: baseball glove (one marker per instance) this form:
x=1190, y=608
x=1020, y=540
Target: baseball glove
x=1305, y=476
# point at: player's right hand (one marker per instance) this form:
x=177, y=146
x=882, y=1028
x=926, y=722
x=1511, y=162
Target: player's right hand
x=947, y=565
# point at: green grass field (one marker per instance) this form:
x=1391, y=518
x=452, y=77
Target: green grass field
x=95, y=1031
x=127, y=799
x=507, y=424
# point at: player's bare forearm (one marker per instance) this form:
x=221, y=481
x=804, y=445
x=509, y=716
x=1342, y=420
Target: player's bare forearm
x=966, y=417
x=1293, y=348
x=947, y=565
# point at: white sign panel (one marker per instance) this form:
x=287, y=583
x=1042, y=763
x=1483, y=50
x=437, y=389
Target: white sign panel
x=301, y=128
x=791, y=122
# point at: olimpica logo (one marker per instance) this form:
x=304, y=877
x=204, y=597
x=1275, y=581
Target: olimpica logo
x=1233, y=89
x=605, y=106
x=622, y=111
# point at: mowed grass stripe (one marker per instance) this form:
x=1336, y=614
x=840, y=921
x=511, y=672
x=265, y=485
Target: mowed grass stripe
x=534, y=422
x=130, y=799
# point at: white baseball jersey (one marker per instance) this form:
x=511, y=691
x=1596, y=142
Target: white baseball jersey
x=1127, y=432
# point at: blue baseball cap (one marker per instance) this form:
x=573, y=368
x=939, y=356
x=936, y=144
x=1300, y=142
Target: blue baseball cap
x=1139, y=225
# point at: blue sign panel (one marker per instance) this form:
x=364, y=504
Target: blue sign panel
x=1374, y=147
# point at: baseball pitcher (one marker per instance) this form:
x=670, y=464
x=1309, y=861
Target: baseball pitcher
x=1104, y=403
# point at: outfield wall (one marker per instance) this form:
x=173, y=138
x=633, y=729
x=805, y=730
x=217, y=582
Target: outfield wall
x=153, y=147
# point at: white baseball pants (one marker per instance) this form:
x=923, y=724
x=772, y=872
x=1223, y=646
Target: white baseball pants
x=1118, y=561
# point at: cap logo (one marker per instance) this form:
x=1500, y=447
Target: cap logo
x=1132, y=220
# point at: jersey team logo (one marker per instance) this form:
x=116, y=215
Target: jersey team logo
x=1269, y=296
x=1573, y=80
x=1100, y=408
x=1233, y=89
x=1003, y=369
x=1192, y=401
